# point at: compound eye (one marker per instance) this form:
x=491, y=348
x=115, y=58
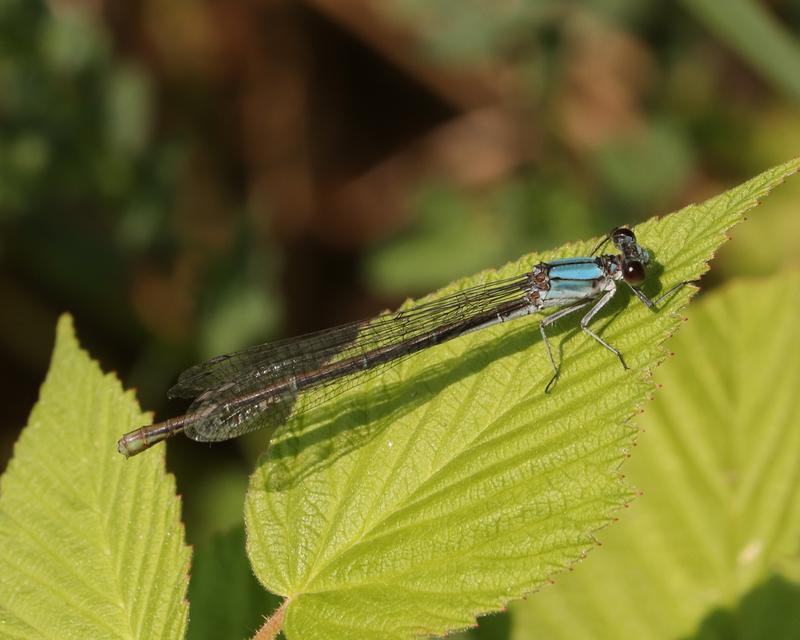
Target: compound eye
x=633, y=272
x=622, y=232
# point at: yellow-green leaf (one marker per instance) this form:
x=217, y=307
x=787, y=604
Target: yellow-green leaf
x=452, y=484
x=711, y=548
x=91, y=545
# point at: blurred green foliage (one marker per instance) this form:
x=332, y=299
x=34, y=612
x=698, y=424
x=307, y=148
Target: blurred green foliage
x=227, y=601
x=694, y=127
x=77, y=125
x=82, y=184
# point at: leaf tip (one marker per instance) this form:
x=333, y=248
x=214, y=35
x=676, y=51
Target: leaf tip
x=65, y=325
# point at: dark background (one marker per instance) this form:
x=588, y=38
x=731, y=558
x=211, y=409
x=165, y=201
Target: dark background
x=194, y=176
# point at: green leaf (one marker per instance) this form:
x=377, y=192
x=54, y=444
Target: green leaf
x=711, y=546
x=452, y=484
x=91, y=545
x=227, y=600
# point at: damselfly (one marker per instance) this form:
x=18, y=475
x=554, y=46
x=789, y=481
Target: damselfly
x=258, y=387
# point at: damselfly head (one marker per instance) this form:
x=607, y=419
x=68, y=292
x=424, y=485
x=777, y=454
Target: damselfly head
x=622, y=237
x=634, y=256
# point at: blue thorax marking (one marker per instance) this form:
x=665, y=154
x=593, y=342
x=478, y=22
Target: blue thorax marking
x=578, y=269
x=572, y=279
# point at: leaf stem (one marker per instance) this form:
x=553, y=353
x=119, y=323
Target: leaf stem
x=273, y=625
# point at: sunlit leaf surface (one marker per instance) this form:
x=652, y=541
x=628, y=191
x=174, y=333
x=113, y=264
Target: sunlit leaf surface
x=710, y=549
x=91, y=545
x=452, y=484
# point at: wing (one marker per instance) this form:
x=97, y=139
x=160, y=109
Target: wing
x=229, y=391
